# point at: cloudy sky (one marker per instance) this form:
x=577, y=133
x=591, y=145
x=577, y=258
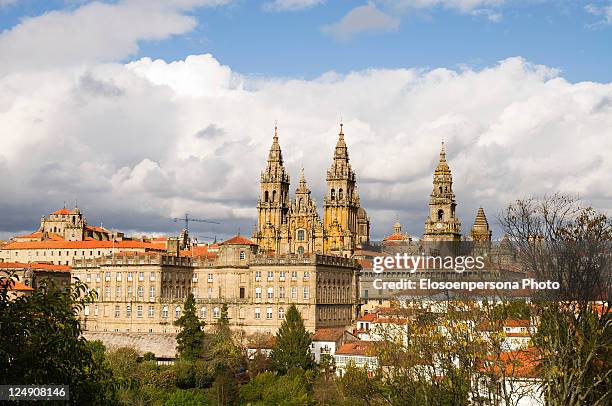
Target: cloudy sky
x=146, y=109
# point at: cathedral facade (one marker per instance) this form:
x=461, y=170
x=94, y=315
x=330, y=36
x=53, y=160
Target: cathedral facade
x=288, y=225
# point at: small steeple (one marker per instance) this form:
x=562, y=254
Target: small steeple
x=275, y=154
x=442, y=164
x=341, y=151
x=480, y=229
x=397, y=227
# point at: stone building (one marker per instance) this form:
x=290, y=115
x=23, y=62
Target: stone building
x=32, y=274
x=145, y=292
x=293, y=226
x=60, y=252
x=68, y=225
x=442, y=223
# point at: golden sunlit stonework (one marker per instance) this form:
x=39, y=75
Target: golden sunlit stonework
x=293, y=226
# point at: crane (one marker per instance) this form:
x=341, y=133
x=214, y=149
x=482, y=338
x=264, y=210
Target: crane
x=187, y=219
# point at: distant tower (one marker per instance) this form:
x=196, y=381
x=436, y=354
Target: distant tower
x=397, y=228
x=480, y=229
x=345, y=222
x=273, y=203
x=442, y=223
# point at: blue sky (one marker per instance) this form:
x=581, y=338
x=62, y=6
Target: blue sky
x=252, y=40
x=146, y=109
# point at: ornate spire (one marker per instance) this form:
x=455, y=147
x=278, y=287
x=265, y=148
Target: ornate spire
x=341, y=151
x=442, y=164
x=275, y=154
x=480, y=229
x=302, y=187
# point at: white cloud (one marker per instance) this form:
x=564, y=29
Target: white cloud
x=291, y=5
x=94, y=32
x=143, y=142
x=605, y=12
x=367, y=18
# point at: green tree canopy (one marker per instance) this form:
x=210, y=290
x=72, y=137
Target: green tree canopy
x=190, y=339
x=41, y=343
x=292, y=346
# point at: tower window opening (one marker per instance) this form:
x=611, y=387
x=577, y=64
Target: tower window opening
x=440, y=215
x=440, y=189
x=273, y=196
x=445, y=189
x=339, y=194
x=300, y=235
x=266, y=196
x=333, y=194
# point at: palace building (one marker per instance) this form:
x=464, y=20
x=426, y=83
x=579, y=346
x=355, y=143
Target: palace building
x=293, y=226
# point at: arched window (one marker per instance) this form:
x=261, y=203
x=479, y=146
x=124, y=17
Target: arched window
x=300, y=203
x=281, y=313
x=203, y=313
x=445, y=189
x=165, y=312
x=177, y=312
x=300, y=235
x=300, y=250
x=333, y=194
x=273, y=196
x=440, y=189
x=266, y=196
x=339, y=194
x=216, y=313
x=440, y=215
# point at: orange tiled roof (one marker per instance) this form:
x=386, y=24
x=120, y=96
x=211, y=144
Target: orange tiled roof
x=16, y=285
x=357, y=348
x=25, y=245
x=522, y=363
x=36, y=234
x=61, y=211
x=516, y=323
x=199, y=251
x=368, y=317
x=34, y=265
x=396, y=237
x=238, y=240
x=328, y=334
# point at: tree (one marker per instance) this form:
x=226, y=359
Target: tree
x=292, y=346
x=41, y=343
x=191, y=337
x=558, y=239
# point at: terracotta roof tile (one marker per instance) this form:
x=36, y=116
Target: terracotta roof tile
x=357, y=348
x=61, y=211
x=25, y=245
x=328, y=334
x=238, y=240
x=34, y=265
x=16, y=285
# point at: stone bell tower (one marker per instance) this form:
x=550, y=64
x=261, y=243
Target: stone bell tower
x=442, y=223
x=342, y=215
x=273, y=203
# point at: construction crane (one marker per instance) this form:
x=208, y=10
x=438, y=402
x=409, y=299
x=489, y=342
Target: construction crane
x=187, y=219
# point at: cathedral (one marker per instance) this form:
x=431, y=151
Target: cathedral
x=293, y=226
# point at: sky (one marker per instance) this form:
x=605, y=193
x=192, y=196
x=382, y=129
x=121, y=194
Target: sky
x=143, y=110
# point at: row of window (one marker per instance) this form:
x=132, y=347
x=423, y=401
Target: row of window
x=119, y=292
x=282, y=275
x=165, y=312
x=281, y=292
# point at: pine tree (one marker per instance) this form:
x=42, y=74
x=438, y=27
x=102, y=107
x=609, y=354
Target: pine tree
x=191, y=337
x=292, y=347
